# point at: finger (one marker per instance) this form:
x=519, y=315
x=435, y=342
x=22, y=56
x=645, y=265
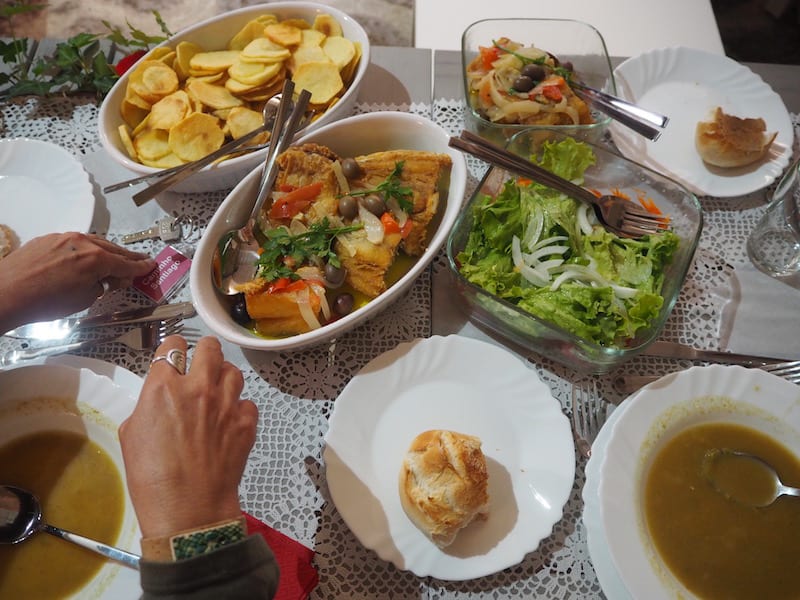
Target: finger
x=161, y=369
x=115, y=248
x=207, y=361
x=231, y=381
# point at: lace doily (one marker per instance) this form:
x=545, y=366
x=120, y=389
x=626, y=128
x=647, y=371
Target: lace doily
x=284, y=482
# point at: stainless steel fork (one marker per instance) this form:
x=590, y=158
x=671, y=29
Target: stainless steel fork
x=146, y=337
x=588, y=415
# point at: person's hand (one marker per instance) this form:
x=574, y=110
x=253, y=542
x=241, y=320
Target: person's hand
x=187, y=441
x=58, y=274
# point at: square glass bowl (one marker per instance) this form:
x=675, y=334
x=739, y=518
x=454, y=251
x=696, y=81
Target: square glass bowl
x=568, y=40
x=546, y=338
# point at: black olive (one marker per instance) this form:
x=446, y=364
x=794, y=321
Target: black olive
x=239, y=310
x=334, y=276
x=374, y=204
x=567, y=64
x=351, y=168
x=534, y=72
x=343, y=304
x=348, y=207
x=523, y=84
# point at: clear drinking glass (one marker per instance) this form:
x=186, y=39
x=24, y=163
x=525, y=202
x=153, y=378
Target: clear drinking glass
x=774, y=244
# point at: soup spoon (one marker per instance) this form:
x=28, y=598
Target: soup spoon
x=727, y=469
x=21, y=517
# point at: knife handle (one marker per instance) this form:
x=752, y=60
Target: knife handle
x=14, y=357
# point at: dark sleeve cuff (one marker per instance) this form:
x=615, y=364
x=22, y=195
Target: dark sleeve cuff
x=245, y=569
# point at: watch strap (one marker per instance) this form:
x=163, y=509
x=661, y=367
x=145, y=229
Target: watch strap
x=194, y=542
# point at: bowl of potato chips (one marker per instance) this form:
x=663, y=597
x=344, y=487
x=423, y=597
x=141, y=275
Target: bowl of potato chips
x=207, y=85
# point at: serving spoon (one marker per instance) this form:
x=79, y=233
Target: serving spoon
x=722, y=468
x=21, y=517
x=236, y=252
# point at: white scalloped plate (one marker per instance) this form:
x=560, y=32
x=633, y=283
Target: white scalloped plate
x=106, y=395
x=686, y=85
x=468, y=386
x=43, y=189
x=715, y=393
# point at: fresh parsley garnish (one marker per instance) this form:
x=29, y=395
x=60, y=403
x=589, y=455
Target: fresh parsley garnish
x=391, y=188
x=283, y=252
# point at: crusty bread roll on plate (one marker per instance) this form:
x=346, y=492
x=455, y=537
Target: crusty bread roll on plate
x=444, y=483
x=729, y=141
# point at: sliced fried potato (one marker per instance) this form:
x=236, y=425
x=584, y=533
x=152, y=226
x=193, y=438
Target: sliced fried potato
x=158, y=53
x=151, y=144
x=301, y=24
x=165, y=162
x=154, y=81
x=267, y=19
x=254, y=73
x=321, y=79
x=241, y=120
x=312, y=37
x=254, y=29
x=213, y=62
x=137, y=100
x=283, y=34
x=213, y=96
x=327, y=24
x=141, y=126
x=131, y=113
x=184, y=52
x=127, y=142
x=340, y=50
x=195, y=137
x=350, y=70
x=305, y=54
x=264, y=50
x=170, y=110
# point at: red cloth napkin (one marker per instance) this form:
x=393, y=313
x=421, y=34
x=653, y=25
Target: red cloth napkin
x=298, y=575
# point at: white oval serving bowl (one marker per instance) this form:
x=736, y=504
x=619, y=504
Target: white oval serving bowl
x=362, y=134
x=214, y=34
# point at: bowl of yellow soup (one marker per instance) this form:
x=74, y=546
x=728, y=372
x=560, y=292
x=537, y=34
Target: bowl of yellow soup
x=58, y=439
x=670, y=532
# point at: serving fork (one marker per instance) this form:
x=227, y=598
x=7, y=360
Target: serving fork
x=589, y=412
x=147, y=337
x=619, y=215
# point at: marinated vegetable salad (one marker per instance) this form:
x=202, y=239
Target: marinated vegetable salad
x=516, y=84
x=548, y=254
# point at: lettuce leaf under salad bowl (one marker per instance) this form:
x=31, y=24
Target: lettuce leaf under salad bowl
x=538, y=268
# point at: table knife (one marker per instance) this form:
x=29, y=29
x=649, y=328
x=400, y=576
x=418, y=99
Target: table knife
x=62, y=328
x=676, y=350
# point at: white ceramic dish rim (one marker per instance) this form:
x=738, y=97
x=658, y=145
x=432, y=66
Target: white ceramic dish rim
x=439, y=383
x=726, y=83
x=750, y=397
x=111, y=391
x=375, y=123
x=72, y=205
x=352, y=29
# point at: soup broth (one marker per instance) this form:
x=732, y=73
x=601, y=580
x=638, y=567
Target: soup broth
x=717, y=547
x=81, y=490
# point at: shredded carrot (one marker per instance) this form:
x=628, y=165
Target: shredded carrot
x=524, y=181
x=618, y=192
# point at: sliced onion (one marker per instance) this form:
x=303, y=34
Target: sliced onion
x=587, y=274
x=550, y=240
x=296, y=226
x=304, y=304
x=372, y=225
x=398, y=213
x=583, y=218
x=344, y=185
x=323, y=301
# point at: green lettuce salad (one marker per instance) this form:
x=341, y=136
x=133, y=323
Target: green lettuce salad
x=548, y=254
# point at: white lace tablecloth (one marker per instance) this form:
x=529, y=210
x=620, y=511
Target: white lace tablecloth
x=284, y=483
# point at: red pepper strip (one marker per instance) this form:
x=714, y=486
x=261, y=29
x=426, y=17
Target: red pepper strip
x=286, y=187
x=390, y=225
x=406, y=228
x=284, y=284
x=552, y=92
x=295, y=201
x=488, y=56
x=524, y=181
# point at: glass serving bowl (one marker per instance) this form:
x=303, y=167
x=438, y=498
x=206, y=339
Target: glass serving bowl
x=546, y=338
x=568, y=40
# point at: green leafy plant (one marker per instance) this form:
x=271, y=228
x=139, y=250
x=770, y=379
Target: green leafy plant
x=77, y=65
x=391, y=188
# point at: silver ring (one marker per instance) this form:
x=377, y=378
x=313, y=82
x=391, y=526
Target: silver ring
x=106, y=287
x=175, y=358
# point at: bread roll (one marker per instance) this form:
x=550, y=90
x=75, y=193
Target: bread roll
x=444, y=484
x=7, y=240
x=729, y=141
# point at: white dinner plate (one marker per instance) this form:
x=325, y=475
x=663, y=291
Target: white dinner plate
x=43, y=189
x=687, y=85
x=610, y=581
x=106, y=394
x=463, y=385
x=716, y=393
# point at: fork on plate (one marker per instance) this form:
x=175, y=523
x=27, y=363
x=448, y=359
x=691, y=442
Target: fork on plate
x=589, y=412
x=146, y=337
x=619, y=215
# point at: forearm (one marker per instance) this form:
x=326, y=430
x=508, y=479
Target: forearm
x=246, y=570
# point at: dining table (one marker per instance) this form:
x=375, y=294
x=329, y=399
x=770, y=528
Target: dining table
x=725, y=303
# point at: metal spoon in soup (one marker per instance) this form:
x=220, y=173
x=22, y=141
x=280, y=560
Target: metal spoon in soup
x=744, y=478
